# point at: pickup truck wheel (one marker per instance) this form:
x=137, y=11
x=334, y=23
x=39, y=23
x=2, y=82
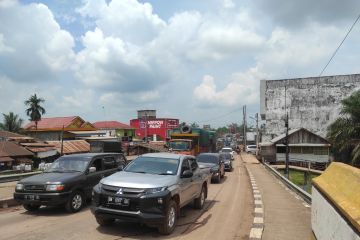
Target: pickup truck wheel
x=170, y=219
x=75, y=202
x=31, y=207
x=104, y=221
x=199, y=202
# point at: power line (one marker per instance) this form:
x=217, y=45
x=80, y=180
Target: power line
x=221, y=116
x=352, y=26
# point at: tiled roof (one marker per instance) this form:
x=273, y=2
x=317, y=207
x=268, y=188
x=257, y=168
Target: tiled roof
x=72, y=146
x=55, y=122
x=111, y=125
x=10, y=149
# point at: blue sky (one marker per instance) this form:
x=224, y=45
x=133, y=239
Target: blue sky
x=194, y=60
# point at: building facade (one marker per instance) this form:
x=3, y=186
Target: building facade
x=312, y=103
x=156, y=129
x=116, y=129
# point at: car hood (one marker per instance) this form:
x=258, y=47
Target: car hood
x=139, y=180
x=43, y=178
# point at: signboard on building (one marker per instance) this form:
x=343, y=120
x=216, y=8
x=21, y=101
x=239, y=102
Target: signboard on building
x=172, y=123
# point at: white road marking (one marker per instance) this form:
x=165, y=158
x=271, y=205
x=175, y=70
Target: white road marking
x=256, y=233
x=258, y=220
x=258, y=202
x=259, y=210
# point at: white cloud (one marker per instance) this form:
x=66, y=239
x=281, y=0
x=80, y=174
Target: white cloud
x=31, y=40
x=242, y=89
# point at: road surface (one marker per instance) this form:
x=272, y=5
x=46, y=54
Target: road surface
x=227, y=214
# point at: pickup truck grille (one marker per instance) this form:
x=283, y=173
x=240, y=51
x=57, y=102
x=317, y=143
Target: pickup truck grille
x=128, y=191
x=34, y=188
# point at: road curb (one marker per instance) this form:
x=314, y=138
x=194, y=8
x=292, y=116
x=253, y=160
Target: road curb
x=258, y=222
x=8, y=202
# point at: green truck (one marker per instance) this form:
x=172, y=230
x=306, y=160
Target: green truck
x=192, y=141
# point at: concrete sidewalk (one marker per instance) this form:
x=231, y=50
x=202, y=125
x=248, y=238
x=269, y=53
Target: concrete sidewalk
x=286, y=215
x=7, y=189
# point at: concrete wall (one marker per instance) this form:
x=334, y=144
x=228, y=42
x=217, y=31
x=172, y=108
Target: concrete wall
x=326, y=222
x=313, y=103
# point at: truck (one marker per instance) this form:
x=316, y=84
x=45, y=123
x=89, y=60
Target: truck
x=151, y=190
x=191, y=141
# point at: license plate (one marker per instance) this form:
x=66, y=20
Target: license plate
x=32, y=197
x=119, y=201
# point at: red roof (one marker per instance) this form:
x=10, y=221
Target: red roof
x=55, y=122
x=111, y=125
x=10, y=149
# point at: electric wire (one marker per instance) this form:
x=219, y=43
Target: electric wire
x=333, y=55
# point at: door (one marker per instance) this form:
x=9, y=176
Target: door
x=196, y=178
x=185, y=184
x=94, y=178
x=109, y=165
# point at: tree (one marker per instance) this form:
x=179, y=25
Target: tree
x=12, y=122
x=344, y=133
x=35, y=110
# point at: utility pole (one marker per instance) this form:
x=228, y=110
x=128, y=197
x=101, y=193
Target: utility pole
x=244, y=115
x=62, y=142
x=286, y=172
x=146, y=130
x=257, y=131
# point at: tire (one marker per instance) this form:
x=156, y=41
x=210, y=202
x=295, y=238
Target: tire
x=31, y=207
x=75, y=202
x=170, y=219
x=104, y=221
x=218, y=179
x=200, y=201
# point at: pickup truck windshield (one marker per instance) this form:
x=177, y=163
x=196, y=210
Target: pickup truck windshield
x=207, y=159
x=69, y=165
x=154, y=165
x=180, y=145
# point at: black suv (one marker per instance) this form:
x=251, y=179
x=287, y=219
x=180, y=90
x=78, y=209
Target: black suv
x=68, y=181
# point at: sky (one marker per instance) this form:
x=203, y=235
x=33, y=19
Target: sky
x=199, y=61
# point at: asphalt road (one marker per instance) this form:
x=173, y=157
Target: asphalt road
x=227, y=214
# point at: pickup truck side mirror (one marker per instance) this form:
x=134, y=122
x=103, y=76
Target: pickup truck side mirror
x=187, y=174
x=92, y=169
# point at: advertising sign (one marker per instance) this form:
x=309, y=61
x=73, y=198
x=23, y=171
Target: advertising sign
x=172, y=123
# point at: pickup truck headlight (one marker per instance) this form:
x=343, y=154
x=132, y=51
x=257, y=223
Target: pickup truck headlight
x=55, y=187
x=155, y=190
x=19, y=186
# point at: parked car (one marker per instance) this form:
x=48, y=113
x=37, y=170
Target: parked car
x=151, y=190
x=68, y=181
x=251, y=149
x=215, y=162
x=228, y=150
x=227, y=161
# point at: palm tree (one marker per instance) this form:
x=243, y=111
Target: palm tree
x=12, y=122
x=344, y=133
x=35, y=110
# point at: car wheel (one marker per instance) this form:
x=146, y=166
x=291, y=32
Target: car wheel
x=170, y=219
x=31, y=207
x=200, y=201
x=104, y=221
x=75, y=202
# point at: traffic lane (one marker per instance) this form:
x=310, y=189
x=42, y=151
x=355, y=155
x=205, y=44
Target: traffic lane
x=227, y=214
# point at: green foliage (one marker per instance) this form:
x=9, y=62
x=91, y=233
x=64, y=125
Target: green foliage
x=344, y=133
x=12, y=122
x=34, y=110
x=194, y=125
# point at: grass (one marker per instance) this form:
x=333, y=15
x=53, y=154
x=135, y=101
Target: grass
x=297, y=177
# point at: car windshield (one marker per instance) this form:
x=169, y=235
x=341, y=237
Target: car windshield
x=205, y=158
x=180, y=145
x=69, y=165
x=226, y=156
x=226, y=150
x=154, y=165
